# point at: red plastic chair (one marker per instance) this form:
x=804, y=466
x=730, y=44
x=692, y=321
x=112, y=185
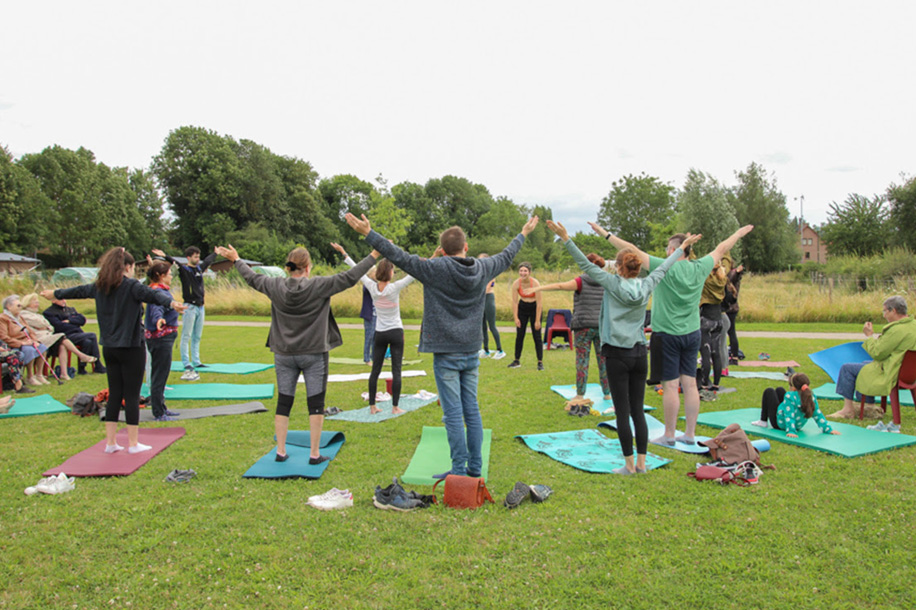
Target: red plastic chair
x=559, y=326
x=906, y=380
x=52, y=362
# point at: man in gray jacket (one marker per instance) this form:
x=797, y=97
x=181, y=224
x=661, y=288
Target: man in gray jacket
x=453, y=302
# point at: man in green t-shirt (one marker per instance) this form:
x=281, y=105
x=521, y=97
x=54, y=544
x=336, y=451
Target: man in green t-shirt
x=676, y=326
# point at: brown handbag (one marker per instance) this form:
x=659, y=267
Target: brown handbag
x=732, y=446
x=464, y=492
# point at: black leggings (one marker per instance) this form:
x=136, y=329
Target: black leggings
x=393, y=338
x=710, y=338
x=732, y=334
x=126, y=366
x=528, y=311
x=769, y=404
x=626, y=372
x=489, y=319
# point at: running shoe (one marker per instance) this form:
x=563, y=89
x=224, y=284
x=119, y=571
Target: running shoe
x=498, y=355
x=518, y=495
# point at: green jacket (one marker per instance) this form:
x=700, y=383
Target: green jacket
x=878, y=377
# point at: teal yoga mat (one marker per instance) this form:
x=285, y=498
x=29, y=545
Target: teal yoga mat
x=832, y=358
x=828, y=392
x=407, y=403
x=216, y=391
x=656, y=429
x=587, y=450
x=592, y=391
x=432, y=456
x=297, y=466
x=853, y=441
x=234, y=368
x=35, y=405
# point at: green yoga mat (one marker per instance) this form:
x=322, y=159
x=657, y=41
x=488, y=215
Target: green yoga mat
x=234, y=368
x=297, y=465
x=592, y=391
x=335, y=360
x=587, y=450
x=216, y=391
x=407, y=404
x=852, y=442
x=828, y=392
x=36, y=405
x=432, y=456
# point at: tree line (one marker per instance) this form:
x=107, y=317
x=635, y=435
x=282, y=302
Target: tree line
x=204, y=189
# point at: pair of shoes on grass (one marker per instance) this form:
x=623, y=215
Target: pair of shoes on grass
x=394, y=497
x=334, y=499
x=522, y=491
x=882, y=427
x=52, y=485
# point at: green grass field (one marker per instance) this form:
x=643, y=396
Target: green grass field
x=819, y=532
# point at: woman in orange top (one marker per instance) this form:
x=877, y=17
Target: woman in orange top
x=526, y=306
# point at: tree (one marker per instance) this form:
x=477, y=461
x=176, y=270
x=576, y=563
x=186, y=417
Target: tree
x=424, y=226
x=458, y=202
x=858, y=226
x=151, y=207
x=346, y=193
x=27, y=215
x=771, y=246
x=388, y=219
x=704, y=208
x=902, y=199
x=632, y=203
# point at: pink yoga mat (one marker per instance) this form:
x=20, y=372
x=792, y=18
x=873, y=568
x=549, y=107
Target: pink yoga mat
x=94, y=462
x=779, y=364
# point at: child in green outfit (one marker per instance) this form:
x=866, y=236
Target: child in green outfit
x=790, y=410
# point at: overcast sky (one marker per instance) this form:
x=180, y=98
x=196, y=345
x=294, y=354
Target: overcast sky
x=542, y=102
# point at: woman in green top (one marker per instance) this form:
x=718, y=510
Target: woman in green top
x=623, y=342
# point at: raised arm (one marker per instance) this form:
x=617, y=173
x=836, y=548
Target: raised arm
x=620, y=244
x=571, y=286
x=729, y=243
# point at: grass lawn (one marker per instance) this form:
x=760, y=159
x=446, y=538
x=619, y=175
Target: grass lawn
x=819, y=532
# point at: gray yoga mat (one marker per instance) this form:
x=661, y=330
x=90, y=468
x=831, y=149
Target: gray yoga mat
x=146, y=415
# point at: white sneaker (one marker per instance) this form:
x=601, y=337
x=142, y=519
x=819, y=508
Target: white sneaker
x=499, y=355
x=893, y=428
x=424, y=395
x=333, y=503
x=760, y=423
x=332, y=493
x=190, y=375
x=56, y=485
x=879, y=427
x=483, y=354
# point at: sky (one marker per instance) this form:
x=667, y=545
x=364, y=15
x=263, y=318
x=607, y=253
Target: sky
x=542, y=102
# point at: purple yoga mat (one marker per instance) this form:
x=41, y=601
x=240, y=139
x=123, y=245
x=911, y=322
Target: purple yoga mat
x=94, y=462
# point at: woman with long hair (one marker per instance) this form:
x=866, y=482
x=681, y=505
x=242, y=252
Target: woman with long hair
x=57, y=342
x=526, y=308
x=623, y=341
x=790, y=411
x=389, y=330
x=119, y=299
x=160, y=330
x=302, y=332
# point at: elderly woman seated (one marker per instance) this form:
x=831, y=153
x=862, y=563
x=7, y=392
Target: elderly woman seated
x=12, y=359
x=15, y=332
x=57, y=342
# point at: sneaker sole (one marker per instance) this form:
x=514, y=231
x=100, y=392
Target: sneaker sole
x=392, y=507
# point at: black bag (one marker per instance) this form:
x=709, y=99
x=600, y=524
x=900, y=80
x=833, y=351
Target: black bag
x=83, y=404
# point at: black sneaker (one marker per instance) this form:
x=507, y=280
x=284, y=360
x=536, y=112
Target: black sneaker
x=518, y=494
x=515, y=364
x=540, y=366
x=539, y=493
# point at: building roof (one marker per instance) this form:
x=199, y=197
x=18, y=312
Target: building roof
x=8, y=257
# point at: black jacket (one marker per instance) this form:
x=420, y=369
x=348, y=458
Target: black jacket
x=192, y=279
x=56, y=316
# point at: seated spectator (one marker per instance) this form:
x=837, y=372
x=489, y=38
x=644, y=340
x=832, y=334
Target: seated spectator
x=16, y=333
x=876, y=378
x=12, y=359
x=67, y=320
x=57, y=343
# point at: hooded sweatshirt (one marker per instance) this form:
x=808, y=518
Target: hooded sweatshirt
x=301, y=321
x=453, y=293
x=623, y=310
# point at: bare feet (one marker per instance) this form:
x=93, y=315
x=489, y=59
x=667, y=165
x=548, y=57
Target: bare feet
x=33, y=380
x=844, y=414
x=374, y=410
x=397, y=410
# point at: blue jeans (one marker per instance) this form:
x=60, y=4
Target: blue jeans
x=456, y=381
x=192, y=327
x=369, y=340
x=846, y=382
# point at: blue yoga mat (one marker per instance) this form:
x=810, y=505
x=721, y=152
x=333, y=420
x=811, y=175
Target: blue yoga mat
x=234, y=368
x=36, y=405
x=216, y=391
x=407, y=404
x=832, y=358
x=593, y=391
x=587, y=450
x=297, y=466
x=656, y=429
x=853, y=441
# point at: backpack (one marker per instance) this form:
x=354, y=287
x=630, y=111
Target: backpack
x=83, y=404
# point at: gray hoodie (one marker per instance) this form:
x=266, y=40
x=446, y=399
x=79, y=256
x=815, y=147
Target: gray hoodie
x=301, y=321
x=453, y=293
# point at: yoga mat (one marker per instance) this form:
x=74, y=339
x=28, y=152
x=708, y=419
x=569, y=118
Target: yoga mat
x=828, y=392
x=853, y=441
x=216, y=391
x=587, y=450
x=407, y=403
x=592, y=391
x=365, y=376
x=36, y=405
x=235, y=368
x=297, y=466
x=432, y=456
x=146, y=415
x=358, y=361
x=756, y=375
x=656, y=429
x=777, y=364
x=94, y=462
x=832, y=358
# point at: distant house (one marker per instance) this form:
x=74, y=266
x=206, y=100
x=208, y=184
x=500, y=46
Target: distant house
x=813, y=249
x=14, y=263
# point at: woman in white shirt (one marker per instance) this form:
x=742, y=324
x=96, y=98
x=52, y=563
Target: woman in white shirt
x=389, y=331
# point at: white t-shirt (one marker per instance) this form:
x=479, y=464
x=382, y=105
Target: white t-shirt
x=387, y=302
